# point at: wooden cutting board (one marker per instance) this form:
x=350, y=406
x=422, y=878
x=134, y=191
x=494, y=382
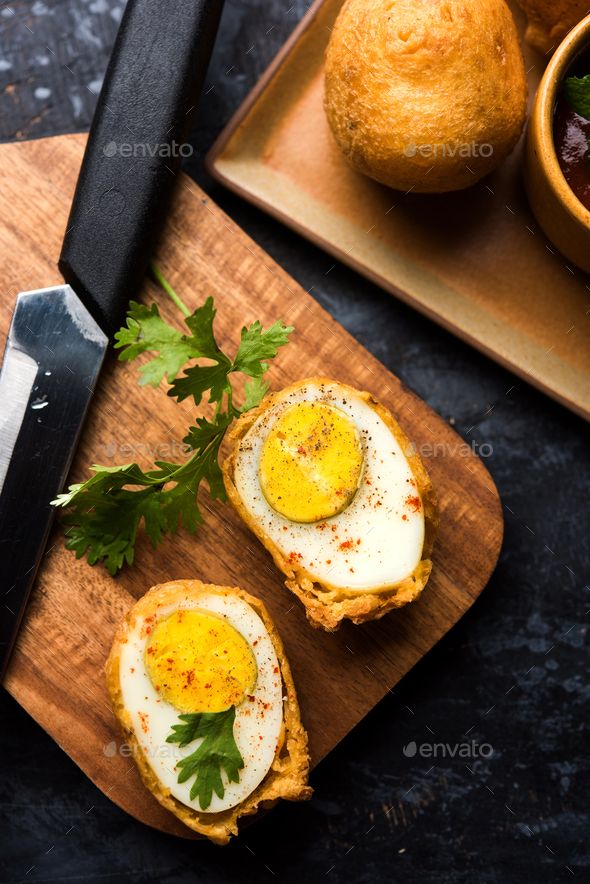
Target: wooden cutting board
x=56, y=673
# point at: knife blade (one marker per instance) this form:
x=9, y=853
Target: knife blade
x=59, y=335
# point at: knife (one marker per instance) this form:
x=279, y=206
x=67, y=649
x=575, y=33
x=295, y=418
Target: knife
x=59, y=335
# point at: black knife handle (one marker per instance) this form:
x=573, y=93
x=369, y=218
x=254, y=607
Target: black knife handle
x=136, y=142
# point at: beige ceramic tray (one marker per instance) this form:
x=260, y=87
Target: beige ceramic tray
x=475, y=262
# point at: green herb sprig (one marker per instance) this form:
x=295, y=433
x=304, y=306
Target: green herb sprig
x=577, y=93
x=106, y=511
x=218, y=751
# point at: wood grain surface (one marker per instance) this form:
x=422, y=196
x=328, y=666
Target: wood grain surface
x=57, y=669
x=474, y=261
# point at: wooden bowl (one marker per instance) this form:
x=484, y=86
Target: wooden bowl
x=564, y=219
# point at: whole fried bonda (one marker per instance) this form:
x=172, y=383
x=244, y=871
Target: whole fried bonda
x=427, y=95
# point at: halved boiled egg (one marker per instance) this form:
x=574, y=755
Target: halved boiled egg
x=202, y=689
x=329, y=482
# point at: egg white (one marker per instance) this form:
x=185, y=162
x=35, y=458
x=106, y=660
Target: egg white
x=390, y=545
x=256, y=729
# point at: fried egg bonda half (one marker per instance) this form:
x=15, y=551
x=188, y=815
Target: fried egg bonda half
x=288, y=772
x=374, y=554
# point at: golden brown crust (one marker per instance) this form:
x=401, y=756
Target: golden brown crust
x=327, y=606
x=550, y=20
x=427, y=95
x=287, y=777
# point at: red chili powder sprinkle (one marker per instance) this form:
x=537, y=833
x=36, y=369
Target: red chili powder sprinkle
x=413, y=502
x=301, y=450
x=144, y=718
x=346, y=544
x=404, y=517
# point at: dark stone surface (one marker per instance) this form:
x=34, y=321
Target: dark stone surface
x=512, y=674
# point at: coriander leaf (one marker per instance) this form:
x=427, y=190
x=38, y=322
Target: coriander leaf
x=577, y=93
x=200, y=379
x=257, y=345
x=127, y=471
x=254, y=391
x=176, y=506
x=207, y=436
x=218, y=751
x=104, y=515
x=146, y=331
x=201, y=325
x=214, y=475
x=205, y=432
x=106, y=512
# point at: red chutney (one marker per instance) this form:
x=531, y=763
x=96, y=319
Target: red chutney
x=570, y=135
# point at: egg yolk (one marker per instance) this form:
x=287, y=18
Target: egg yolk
x=311, y=462
x=198, y=662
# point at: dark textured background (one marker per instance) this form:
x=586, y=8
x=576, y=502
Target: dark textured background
x=512, y=674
